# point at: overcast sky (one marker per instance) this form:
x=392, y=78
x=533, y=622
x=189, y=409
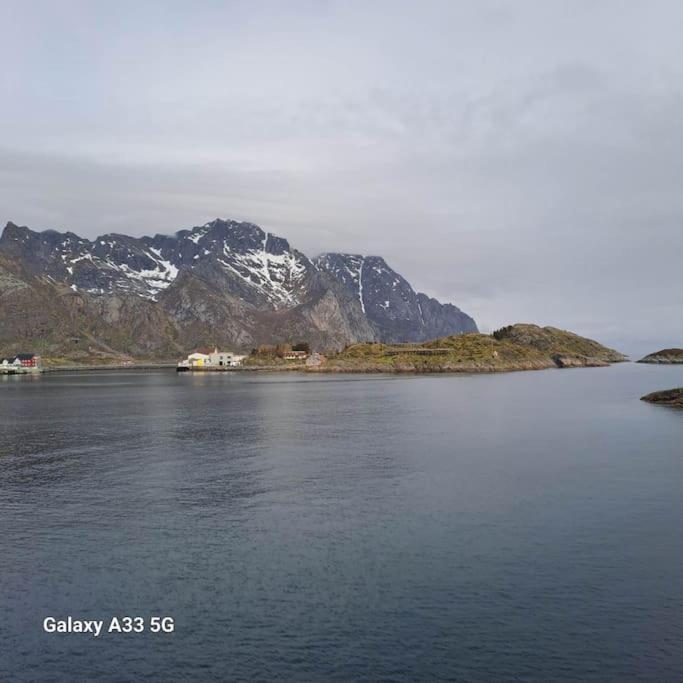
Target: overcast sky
x=523, y=160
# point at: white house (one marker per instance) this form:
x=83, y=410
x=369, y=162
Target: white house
x=225, y=358
x=205, y=358
x=198, y=359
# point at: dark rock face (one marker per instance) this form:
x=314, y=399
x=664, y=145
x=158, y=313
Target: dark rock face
x=223, y=282
x=238, y=257
x=668, y=397
x=665, y=356
x=395, y=310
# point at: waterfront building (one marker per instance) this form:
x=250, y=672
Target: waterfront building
x=295, y=355
x=21, y=362
x=209, y=359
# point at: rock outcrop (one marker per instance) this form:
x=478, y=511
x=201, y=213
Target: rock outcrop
x=667, y=397
x=665, y=356
x=577, y=361
x=566, y=348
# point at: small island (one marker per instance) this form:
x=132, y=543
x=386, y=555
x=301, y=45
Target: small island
x=515, y=347
x=667, y=397
x=665, y=356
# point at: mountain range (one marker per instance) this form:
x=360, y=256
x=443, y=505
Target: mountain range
x=225, y=283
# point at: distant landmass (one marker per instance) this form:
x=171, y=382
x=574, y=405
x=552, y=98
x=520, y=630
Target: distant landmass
x=665, y=356
x=226, y=282
x=516, y=347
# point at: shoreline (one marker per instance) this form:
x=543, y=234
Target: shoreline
x=515, y=348
x=331, y=370
x=171, y=365
x=464, y=369
x=112, y=366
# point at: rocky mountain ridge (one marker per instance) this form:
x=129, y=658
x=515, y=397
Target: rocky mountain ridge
x=224, y=282
x=390, y=303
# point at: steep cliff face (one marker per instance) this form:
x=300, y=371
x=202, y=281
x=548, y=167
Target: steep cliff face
x=394, y=309
x=225, y=282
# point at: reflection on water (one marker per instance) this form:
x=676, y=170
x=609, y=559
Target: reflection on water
x=352, y=528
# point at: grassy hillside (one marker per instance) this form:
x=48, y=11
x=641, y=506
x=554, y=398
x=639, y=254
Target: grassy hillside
x=517, y=347
x=555, y=342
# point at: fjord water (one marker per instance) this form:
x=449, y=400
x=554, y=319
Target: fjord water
x=524, y=526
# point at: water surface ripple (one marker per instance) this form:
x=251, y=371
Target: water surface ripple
x=523, y=526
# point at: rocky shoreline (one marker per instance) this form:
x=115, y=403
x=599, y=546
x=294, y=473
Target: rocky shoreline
x=110, y=366
x=664, y=357
x=515, y=348
x=463, y=368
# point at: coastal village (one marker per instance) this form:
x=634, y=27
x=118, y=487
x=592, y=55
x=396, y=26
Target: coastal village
x=213, y=359
x=202, y=359
x=210, y=359
x=21, y=364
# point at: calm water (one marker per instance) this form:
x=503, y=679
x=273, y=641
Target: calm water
x=524, y=526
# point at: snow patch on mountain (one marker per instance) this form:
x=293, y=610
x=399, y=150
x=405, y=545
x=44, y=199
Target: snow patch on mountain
x=244, y=262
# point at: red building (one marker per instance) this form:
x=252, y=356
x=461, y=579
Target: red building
x=28, y=360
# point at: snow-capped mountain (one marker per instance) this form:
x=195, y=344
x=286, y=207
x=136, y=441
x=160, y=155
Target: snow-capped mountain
x=263, y=267
x=393, y=307
x=225, y=281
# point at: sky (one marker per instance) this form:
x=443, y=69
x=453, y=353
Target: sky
x=521, y=159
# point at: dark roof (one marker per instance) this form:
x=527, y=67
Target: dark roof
x=25, y=356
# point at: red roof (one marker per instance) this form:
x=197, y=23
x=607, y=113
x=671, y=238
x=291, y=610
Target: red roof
x=205, y=350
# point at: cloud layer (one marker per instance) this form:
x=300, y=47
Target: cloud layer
x=522, y=159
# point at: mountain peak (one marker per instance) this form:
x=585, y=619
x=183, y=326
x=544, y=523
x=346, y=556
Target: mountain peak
x=238, y=264
x=396, y=310
x=13, y=231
